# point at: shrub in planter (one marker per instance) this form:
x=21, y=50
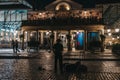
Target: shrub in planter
x=116, y=48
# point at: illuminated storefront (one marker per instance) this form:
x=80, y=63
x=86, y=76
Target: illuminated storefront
x=10, y=23
x=66, y=20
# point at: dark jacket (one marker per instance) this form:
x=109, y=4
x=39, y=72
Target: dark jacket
x=58, y=48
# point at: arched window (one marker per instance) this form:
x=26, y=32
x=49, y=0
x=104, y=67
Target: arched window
x=63, y=6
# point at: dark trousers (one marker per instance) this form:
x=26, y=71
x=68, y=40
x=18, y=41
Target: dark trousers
x=58, y=59
x=13, y=49
x=16, y=50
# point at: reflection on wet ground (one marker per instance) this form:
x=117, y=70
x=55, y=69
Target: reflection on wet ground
x=28, y=69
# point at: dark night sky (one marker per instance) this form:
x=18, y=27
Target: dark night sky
x=40, y=4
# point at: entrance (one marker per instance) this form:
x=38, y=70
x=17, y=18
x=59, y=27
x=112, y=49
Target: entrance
x=78, y=39
x=75, y=40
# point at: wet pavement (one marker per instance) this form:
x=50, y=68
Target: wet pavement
x=27, y=66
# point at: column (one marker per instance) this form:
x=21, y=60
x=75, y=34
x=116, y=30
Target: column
x=41, y=37
x=37, y=38
x=28, y=36
x=14, y=35
x=37, y=35
x=23, y=40
x=102, y=36
x=85, y=43
x=69, y=41
x=52, y=37
x=55, y=36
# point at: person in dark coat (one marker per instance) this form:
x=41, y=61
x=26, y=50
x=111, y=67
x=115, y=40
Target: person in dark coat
x=16, y=46
x=57, y=49
x=13, y=45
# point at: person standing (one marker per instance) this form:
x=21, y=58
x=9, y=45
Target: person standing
x=58, y=49
x=16, y=46
x=13, y=45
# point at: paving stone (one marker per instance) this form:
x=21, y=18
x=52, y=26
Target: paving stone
x=28, y=69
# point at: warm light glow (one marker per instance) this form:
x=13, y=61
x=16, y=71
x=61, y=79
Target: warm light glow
x=47, y=56
x=113, y=38
x=85, y=14
x=109, y=34
x=77, y=32
x=110, y=42
x=68, y=8
x=108, y=30
x=118, y=37
x=14, y=34
x=2, y=33
x=57, y=8
x=40, y=13
x=47, y=33
x=117, y=30
x=31, y=34
x=6, y=33
x=26, y=32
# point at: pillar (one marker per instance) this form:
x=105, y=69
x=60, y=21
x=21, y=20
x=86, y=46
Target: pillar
x=37, y=39
x=55, y=36
x=28, y=36
x=85, y=43
x=23, y=40
x=41, y=38
x=69, y=41
x=51, y=40
x=37, y=35
x=52, y=37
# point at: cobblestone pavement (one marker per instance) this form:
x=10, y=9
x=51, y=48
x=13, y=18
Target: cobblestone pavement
x=30, y=68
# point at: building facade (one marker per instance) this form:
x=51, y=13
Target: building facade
x=65, y=20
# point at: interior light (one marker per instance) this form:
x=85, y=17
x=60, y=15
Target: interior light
x=26, y=32
x=113, y=38
x=108, y=30
x=118, y=37
x=40, y=13
x=77, y=32
x=57, y=8
x=117, y=30
x=14, y=34
x=68, y=8
x=31, y=34
x=47, y=33
x=109, y=34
